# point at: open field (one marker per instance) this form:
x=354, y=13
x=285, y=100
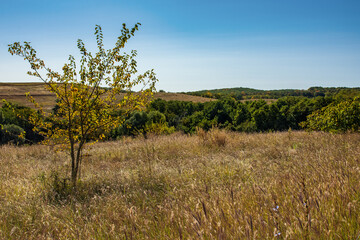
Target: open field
x=15, y=92
x=216, y=185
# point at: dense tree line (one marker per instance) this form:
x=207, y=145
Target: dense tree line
x=249, y=93
x=338, y=113
x=251, y=116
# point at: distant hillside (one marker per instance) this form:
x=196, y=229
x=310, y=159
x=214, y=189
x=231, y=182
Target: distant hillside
x=15, y=92
x=250, y=93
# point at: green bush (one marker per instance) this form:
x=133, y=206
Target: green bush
x=142, y=123
x=11, y=133
x=156, y=117
x=133, y=125
x=11, y=113
x=157, y=124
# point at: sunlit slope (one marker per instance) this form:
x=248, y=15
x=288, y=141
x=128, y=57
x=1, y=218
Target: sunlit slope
x=15, y=92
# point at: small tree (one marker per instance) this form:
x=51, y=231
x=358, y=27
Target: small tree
x=88, y=98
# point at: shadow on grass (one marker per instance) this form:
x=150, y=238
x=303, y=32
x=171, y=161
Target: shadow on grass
x=59, y=190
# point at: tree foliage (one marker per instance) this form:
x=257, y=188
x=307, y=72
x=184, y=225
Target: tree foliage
x=88, y=93
x=337, y=117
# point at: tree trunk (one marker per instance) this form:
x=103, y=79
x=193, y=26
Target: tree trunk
x=75, y=163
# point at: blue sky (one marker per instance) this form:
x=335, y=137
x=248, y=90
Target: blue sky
x=194, y=45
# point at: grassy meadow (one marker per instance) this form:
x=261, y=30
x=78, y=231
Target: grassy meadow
x=215, y=185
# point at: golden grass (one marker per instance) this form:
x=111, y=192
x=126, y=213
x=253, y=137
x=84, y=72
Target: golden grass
x=291, y=185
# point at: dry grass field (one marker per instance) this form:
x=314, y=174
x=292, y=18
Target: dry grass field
x=216, y=185
x=15, y=92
